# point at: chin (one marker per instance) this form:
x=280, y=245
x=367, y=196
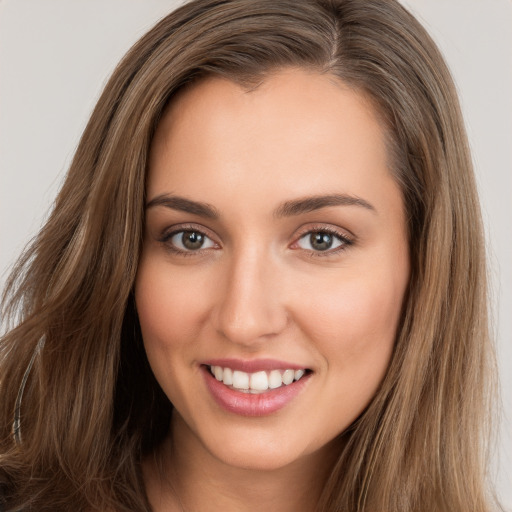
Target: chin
x=256, y=457
x=260, y=449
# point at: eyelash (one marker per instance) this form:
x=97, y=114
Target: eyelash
x=166, y=237
x=346, y=242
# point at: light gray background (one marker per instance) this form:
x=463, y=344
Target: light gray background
x=55, y=56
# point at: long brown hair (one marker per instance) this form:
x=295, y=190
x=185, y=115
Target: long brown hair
x=89, y=408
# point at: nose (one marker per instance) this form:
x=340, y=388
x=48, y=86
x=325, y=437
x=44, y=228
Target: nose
x=250, y=306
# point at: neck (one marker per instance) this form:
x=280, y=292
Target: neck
x=186, y=477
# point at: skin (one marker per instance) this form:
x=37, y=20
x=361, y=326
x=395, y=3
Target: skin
x=259, y=289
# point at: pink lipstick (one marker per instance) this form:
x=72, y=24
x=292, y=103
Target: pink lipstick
x=254, y=388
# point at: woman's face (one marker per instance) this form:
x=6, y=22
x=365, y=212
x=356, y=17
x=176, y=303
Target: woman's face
x=275, y=257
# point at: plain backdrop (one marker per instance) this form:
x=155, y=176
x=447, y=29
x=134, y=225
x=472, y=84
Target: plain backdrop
x=55, y=57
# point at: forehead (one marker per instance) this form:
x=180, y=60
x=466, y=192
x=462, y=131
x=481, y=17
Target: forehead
x=297, y=133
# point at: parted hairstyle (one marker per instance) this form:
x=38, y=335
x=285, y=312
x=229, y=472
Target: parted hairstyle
x=90, y=409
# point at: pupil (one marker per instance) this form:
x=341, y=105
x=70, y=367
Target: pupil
x=192, y=239
x=321, y=241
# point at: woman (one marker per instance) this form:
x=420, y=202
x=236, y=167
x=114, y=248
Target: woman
x=262, y=285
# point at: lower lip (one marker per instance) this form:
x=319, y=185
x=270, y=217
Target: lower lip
x=249, y=404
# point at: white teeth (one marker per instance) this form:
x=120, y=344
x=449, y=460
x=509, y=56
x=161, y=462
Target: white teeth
x=288, y=377
x=228, y=376
x=257, y=382
x=298, y=374
x=274, y=379
x=218, y=372
x=240, y=380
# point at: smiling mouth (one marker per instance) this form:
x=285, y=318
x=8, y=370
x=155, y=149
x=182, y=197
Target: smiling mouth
x=257, y=382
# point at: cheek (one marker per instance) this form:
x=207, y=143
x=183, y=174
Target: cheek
x=166, y=321
x=353, y=328
x=169, y=316
x=165, y=305
x=353, y=322
x=358, y=310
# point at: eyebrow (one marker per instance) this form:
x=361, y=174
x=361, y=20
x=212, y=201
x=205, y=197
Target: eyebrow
x=287, y=209
x=309, y=204
x=185, y=205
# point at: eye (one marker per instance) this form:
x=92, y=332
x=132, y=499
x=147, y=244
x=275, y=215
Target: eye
x=189, y=240
x=323, y=241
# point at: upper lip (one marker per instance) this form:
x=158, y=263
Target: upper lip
x=254, y=365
